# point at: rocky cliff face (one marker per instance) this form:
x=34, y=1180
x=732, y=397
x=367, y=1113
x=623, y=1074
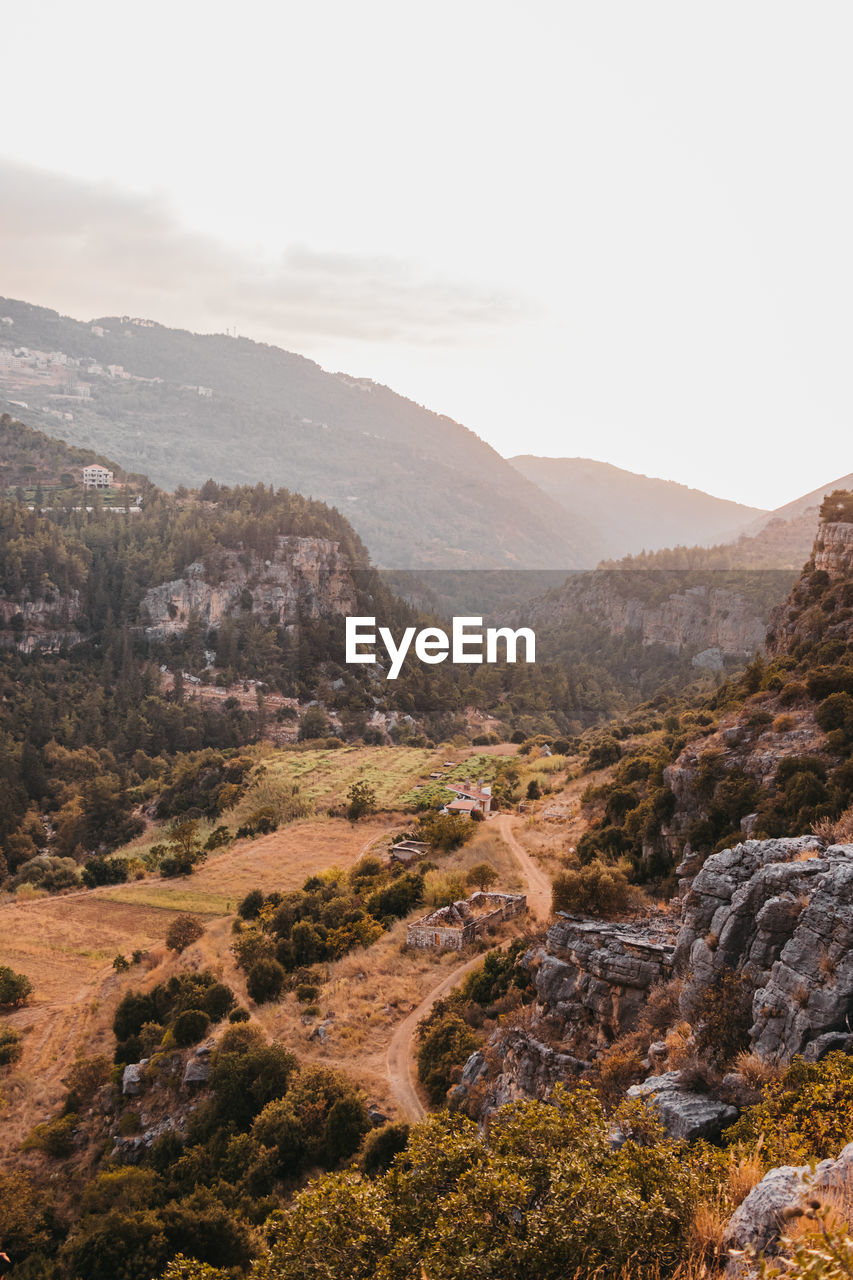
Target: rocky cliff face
x=696, y=618
x=592, y=978
x=777, y=912
x=307, y=577
x=47, y=624
x=780, y=913
x=834, y=550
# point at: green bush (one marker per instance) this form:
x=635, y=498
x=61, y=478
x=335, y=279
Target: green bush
x=445, y=1043
x=595, y=889
x=15, y=988
x=805, y=1115
x=265, y=981
x=10, y=1046
x=189, y=1027
x=251, y=905
x=55, y=1137
x=542, y=1194
x=381, y=1146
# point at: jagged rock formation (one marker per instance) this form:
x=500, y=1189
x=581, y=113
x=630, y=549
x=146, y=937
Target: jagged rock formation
x=515, y=1065
x=834, y=550
x=779, y=912
x=307, y=577
x=592, y=977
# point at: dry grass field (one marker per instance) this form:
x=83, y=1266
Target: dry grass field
x=66, y=944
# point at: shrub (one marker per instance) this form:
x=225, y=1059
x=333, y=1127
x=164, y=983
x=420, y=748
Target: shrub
x=251, y=905
x=265, y=980
x=121, y=964
x=86, y=1075
x=218, y=1000
x=239, y=1015
x=722, y=1017
x=807, y=1114
x=595, y=889
x=189, y=1027
x=381, y=1146
x=481, y=877
x=55, y=1137
x=99, y=871
x=15, y=988
x=10, y=1046
x=362, y=800
x=445, y=1043
x=182, y=932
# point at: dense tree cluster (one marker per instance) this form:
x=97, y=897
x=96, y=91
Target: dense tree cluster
x=329, y=916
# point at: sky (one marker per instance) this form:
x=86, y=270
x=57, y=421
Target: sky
x=600, y=229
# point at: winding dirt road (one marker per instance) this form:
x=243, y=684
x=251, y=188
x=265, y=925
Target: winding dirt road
x=538, y=884
x=399, y=1060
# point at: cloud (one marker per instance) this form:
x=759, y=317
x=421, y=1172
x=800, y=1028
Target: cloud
x=92, y=248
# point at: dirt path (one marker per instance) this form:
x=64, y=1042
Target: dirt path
x=399, y=1060
x=400, y=1057
x=538, y=884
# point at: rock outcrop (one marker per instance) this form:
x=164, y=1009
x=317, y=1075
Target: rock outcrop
x=758, y=1223
x=515, y=1065
x=780, y=913
x=592, y=977
x=306, y=577
x=684, y=1112
x=834, y=550
x=45, y=623
x=693, y=618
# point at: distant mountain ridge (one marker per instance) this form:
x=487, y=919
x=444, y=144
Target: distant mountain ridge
x=635, y=512
x=421, y=490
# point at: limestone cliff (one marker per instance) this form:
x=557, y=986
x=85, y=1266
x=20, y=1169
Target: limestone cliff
x=306, y=577
x=47, y=623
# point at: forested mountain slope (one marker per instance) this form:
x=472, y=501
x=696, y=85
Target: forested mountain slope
x=419, y=488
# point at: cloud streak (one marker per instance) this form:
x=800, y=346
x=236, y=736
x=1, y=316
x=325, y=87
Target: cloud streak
x=93, y=248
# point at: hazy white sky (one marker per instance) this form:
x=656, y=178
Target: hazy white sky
x=604, y=228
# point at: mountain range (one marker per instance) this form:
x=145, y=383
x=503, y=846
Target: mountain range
x=421, y=490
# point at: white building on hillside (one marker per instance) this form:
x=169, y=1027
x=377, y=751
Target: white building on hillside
x=96, y=477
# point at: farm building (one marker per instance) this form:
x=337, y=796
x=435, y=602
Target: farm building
x=460, y=924
x=469, y=798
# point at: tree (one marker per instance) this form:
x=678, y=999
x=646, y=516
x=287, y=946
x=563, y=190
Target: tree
x=314, y=724
x=481, y=877
x=534, y=791
x=182, y=932
x=15, y=988
x=190, y=1026
x=362, y=800
x=265, y=980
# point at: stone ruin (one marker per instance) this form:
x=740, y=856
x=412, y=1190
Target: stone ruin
x=461, y=923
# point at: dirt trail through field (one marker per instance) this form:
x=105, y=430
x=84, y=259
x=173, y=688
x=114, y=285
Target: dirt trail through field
x=538, y=884
x=400, y=1056
x=399, y=1059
